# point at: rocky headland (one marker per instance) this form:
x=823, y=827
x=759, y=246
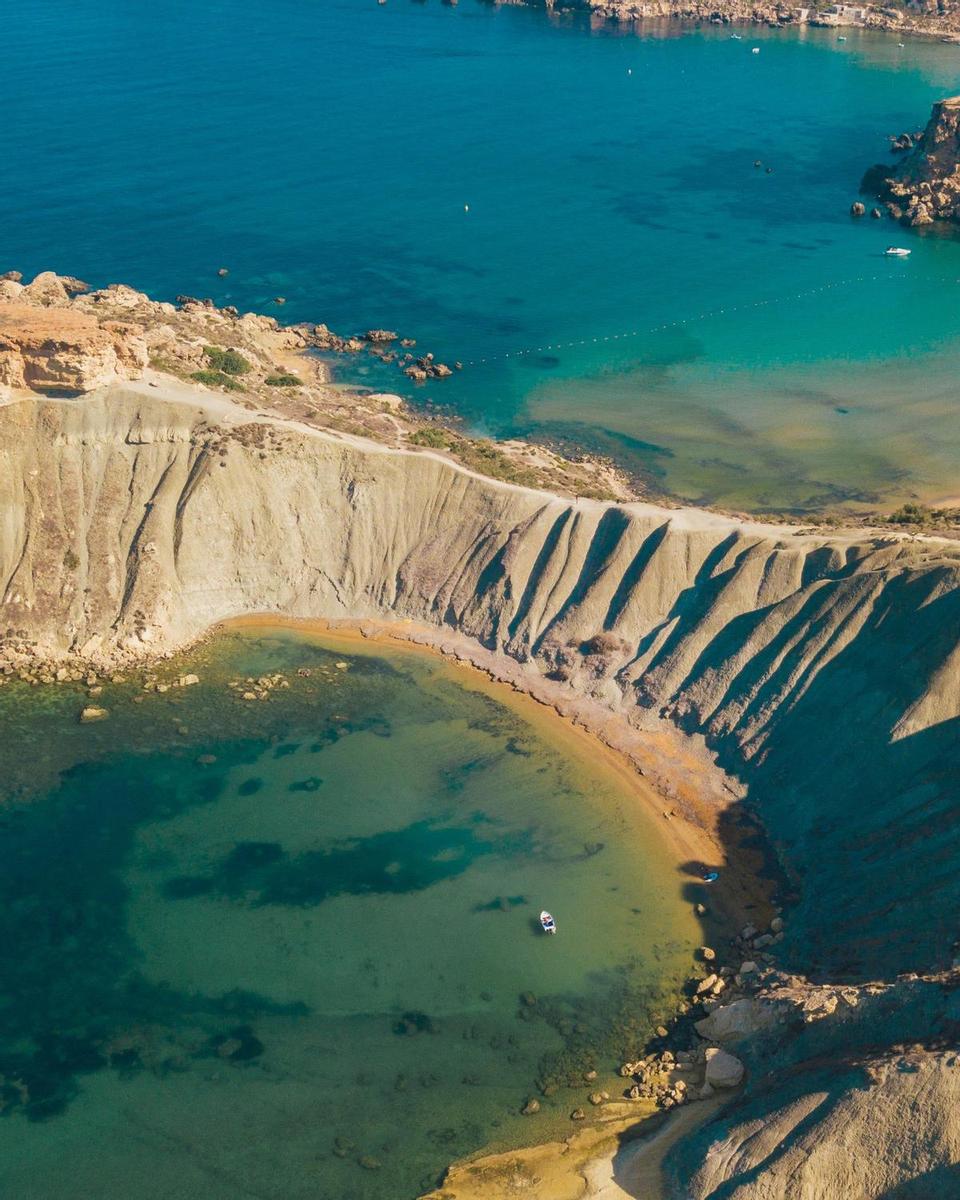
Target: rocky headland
x=151, y=488
x=924, y=186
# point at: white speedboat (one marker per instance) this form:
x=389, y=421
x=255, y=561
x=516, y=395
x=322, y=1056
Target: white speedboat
x=897, y=252
x=547, y=923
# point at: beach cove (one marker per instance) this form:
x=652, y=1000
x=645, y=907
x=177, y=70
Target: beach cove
x=223, y=1002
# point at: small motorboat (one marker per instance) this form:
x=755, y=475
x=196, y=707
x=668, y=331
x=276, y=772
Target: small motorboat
x=547, y=923
x=841, y=38
x=735, y=37
x=897, y=252
x=755, y=50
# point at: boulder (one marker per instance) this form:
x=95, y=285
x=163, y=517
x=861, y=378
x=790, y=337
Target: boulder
x=73, y=286
x=723, y=1069
x=47, y=289
x=92, y=713
x=731, y=1022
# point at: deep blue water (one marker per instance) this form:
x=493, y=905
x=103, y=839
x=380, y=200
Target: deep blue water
x=326, y=152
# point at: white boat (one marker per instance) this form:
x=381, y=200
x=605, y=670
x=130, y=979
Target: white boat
x=547, y=923
x=735, y=37
x=897, y=252
x=755, y=50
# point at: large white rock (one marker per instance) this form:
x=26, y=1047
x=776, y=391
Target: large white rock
x=739, y=1019
x=723, y=1069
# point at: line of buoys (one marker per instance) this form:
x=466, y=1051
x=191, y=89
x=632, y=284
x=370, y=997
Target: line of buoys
x=707, y=316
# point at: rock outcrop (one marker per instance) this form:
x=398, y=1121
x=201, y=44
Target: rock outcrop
x=65, y=351
x=925, y=185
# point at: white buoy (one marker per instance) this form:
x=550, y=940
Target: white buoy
x=466, y=208
x=629, y=70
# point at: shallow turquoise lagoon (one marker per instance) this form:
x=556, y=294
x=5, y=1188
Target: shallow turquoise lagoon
x=625, y=277
x=289, y=947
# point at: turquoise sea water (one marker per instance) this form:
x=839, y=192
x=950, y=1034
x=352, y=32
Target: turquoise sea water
x=288, y=947
x=326, y=152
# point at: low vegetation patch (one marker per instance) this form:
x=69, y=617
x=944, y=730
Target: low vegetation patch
x=920, y=514
x=228, y=362
x=484, y=458
x=169, y=366
x=435, y=437
x=217, y=379
x=283, y=380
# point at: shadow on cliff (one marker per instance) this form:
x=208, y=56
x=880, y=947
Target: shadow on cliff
x=866, y=823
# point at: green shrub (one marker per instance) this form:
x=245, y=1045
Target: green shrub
x=284, y=380
x=912, y=514
x=70, y=560
x=230, y=362
x=434, y=436
x=217, y=379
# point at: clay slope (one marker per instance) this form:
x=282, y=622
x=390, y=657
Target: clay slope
x=885, y=1129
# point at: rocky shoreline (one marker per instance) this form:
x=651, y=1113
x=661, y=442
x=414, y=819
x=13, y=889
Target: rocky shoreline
x=924, y=186
x=941, y=21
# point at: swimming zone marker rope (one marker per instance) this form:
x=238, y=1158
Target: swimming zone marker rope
x=705, y=316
